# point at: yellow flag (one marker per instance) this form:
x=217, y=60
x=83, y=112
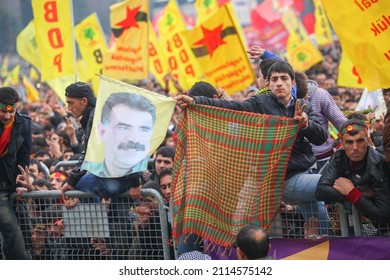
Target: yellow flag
x=32, y=93
x=363, y=28
x=126, y=144
x=303, y=56
x=157, y=61
x=170, y=21
x=83, y=71
x=322, y=28
x=59, y=85
x=348, y=75
x=54, y=20
x=13, y=76
x=180, y=59
x=91, y=42
x=218, y=48
x=26, y=46
x=129, y=59
x=34, y=75
x=205, y=8
x=294, y=26
x=4, y=67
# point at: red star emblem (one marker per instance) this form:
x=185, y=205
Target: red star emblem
x=130, y=20
x=211, y=39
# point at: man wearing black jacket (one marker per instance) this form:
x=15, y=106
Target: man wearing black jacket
x=15, y=145
x=300, y=184
x=357, y=174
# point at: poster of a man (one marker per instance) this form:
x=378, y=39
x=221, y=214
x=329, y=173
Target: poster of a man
x=125, y=129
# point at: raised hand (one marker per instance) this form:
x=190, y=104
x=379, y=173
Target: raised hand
x=300, y=115
x=23, y=179
x=255, y=52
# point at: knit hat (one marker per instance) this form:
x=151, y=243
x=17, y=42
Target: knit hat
x=81, y=90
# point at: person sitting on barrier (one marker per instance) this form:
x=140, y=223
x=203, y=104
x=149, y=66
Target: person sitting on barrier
x=357, y=174
x=252, y=243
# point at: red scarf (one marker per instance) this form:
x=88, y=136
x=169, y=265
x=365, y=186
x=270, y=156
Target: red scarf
x=6, y=136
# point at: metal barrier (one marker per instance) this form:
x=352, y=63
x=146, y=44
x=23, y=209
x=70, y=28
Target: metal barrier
x=66, y=164
x=94, y=230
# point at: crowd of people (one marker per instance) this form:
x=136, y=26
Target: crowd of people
x=43, y=145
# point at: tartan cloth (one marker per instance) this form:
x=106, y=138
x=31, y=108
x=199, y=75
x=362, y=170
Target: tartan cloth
x=229, y=171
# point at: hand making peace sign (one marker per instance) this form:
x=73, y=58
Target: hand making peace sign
x=300, y=115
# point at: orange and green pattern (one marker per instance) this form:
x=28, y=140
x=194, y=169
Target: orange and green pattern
x=229, y=171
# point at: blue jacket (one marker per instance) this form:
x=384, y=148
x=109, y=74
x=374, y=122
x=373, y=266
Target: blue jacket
x=18, y=150
x=302, y=156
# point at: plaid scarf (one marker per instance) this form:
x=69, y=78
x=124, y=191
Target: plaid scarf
x=6, y=137
x=229, y=171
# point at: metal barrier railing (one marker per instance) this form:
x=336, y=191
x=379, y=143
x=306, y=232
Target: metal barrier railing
x=94, y=230
x=91, y=230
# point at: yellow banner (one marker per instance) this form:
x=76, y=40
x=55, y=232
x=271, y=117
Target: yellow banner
x=54, y=20
x=13, y=76
x=26, y=46
x=180, y=59
x=322, y=28
x=92, y=44
x=363, y=28
x=129, y=59
x=4, y=67
x=32, y=94
x=157, y=61
x=294, y=26
x=348, y=75
x=303, y=56
x=218, y=48
x=205, y=9
x=34, y=75
x=59, y=85
x=128, y=126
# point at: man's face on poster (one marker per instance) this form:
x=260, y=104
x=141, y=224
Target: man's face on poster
x=127, y=137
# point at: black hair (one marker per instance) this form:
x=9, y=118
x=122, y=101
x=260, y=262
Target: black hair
x=302, y=86
x=264, y=66
x=166, y=151
x=164, y=172
x=281, y=67
x=8, y=95
x=42, y=183
x=203, y=88
x=333, y=91
x=253, y=241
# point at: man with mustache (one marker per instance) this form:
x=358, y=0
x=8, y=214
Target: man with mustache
x=126, y=129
